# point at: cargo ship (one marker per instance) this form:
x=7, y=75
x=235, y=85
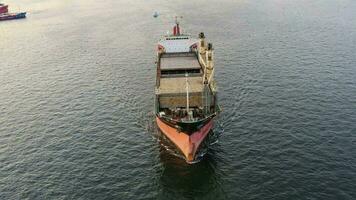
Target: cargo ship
x=5, y=15
x=186, y=100
x=9, y=16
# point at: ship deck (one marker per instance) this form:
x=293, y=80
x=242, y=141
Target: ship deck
x=180, y=64
x=177, y=85
x=179, y=61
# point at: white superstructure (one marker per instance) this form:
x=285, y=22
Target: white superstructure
x=178, y=43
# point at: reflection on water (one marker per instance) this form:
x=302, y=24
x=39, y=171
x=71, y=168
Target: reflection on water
x=180, y=179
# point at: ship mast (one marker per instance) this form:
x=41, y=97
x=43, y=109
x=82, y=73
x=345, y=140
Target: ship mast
x=176, y=28
x=187, y=88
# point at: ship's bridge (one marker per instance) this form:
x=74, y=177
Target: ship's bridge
x=177, y=43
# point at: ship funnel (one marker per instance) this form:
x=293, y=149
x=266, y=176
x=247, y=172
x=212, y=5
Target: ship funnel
x=176, y=30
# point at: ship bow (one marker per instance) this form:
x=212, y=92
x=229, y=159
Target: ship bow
x=187, y=143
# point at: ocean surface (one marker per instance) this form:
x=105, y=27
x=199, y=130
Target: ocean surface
x=77, y=93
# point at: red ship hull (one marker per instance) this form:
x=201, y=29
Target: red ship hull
x=188, y=144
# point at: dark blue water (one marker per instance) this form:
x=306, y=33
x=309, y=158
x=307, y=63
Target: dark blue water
x=76, y=100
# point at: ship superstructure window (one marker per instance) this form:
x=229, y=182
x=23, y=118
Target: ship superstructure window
x=180, y=38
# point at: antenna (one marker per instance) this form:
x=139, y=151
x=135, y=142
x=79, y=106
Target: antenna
x=176, y=29
x=176, y=19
